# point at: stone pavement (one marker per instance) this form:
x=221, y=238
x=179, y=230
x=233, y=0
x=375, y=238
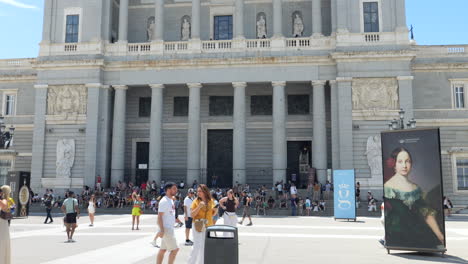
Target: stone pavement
x=270, y=240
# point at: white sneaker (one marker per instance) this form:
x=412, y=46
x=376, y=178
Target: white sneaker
x=72, y=240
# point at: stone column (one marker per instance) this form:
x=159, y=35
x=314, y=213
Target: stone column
x=319, y=139
x=239, y=133
x=342, y=16
x=123, y=21
x=333, y=15
x=37, y=162
x=46, y=32
x=316, y=18
x=106, y=20
x=158, y=20
x=345, y=122
x=279, y=132
x=92, y=123
x=193, y=141
x=239, y=19
x=400, y=13
x=277, y=18
x=405, y=94
x=195, y=19
x=156, y=132
x=334, y=125
x=118, y=134
x=105, y=134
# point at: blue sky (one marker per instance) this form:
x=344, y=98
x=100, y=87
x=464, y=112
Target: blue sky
x=436, y=22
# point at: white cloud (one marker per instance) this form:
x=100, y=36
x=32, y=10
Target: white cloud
x=17, y=4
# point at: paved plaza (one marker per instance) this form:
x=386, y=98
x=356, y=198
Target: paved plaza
x=269, y=240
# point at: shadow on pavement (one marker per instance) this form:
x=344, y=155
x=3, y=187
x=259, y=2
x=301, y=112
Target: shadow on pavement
x=430, y=257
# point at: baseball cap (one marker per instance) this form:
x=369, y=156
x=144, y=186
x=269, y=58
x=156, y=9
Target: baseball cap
x=191, y=190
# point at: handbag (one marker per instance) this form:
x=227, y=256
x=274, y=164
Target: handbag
x=200, y=224
x=6, y=215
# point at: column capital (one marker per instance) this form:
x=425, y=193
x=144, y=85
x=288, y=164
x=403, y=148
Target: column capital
x=157, y=85
x=405, y=78
x=278, y=83
x=332, y=82
x=239, y=84
x=318, y=82
x=344, y=79
x=194, y=85
x=121, y=87
x=93, y=85
x=41, y=86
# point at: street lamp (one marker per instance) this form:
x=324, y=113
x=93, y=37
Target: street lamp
x=400, y=123
x=6, y=137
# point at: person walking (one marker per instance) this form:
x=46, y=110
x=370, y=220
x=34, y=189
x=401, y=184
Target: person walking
x=229, y=205
x=166, y=222
x=5, y=247
x=188, y=216
x=92, y=209
x=136, y=211
x=48, y=206
x=202, y=209
x=72, y=212
x=246, y=201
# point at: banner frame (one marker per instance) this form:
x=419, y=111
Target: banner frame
x=423, y=250
x=334, y=187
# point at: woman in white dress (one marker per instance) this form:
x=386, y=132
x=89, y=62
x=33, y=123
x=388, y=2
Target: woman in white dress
x=5, y=250
x=92, y=209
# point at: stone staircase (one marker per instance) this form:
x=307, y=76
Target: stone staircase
x=362, y=211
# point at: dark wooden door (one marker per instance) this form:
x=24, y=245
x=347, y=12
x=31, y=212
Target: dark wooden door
x=294, y=151
x=219, y=158
x=142, y=159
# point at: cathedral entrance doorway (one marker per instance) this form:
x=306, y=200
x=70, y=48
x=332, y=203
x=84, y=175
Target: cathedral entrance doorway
x=219, y=163
x=299, y=161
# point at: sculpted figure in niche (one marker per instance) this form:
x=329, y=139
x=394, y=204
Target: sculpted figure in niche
x=150, y=28
x=298, y=27
x=261, y=27
x=65, y=157
x=374, y=156
x=185, y=29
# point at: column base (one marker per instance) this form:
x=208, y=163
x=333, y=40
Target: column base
x=278, y=42
x=195, y=45
x=157, y=46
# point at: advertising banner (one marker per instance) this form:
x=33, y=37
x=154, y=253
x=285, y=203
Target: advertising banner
x=413, y=194
x=344, y=194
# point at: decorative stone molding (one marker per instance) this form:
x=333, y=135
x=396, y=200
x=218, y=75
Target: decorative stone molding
x=405, y=78
x=375, y=94
x=239, y=84
x=278, y=83
x=67, y=101
x=318, y=82
x=121, y=87
x=157, y=86
x=194, y=85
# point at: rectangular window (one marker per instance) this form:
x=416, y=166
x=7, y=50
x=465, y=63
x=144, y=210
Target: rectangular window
x=181, y=106
x=144, y=107
x=222, y=27
x=371, y=17
x=298, y=104
x=10, y=101
x=462, y=173
x=261, y=105
x=459, y=96
x=221, y=105
x=71, y=34
x=5, y=167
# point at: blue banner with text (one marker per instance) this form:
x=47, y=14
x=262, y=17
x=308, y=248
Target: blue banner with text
x=344, y=194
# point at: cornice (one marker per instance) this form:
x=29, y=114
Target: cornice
x=18, y=78
x=67, y=64
x=373, y=55
x=422, y=67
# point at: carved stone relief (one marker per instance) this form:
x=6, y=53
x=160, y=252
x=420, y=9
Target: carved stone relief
x=374, y=156
x=375, y=94
x=67, y=101
x=65, y=157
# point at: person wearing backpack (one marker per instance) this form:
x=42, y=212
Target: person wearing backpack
x=72, y=212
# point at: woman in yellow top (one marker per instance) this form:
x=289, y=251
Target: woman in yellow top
x=203, y=209
x=136, y=210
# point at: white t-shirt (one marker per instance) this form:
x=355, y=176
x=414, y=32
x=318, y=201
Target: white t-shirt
x=280, y=188
x=166, y=206
x=293, y=190
x=188, y=203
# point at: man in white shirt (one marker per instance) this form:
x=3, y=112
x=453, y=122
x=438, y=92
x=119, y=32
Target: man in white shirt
x=166, y=222
x=188, y=216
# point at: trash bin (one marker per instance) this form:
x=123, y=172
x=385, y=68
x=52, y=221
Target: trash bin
x=220, y=248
